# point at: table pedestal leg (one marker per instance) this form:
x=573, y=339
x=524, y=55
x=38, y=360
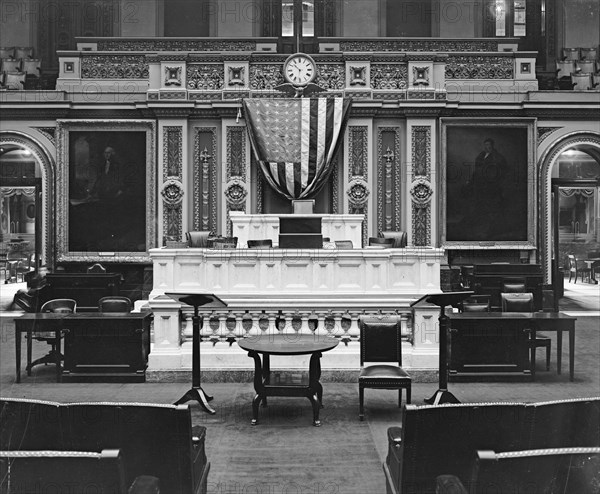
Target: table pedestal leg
x=315, y=393
x=442, y=395
x=197, y=394
x=258, y=386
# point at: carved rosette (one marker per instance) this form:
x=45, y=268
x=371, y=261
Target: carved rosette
x=421, y=191
x=172, y=76
x=172, y=188
x=172, y=193
x=236, y=76
x=420, y=76
x=358, y=192
x=236, y=193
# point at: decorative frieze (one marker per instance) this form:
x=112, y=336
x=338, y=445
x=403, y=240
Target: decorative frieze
x=265, y=76
x=162, y=44
x=208, y=77
x=479, y=67
x=172, y=188
x=389, y=76
x=331, y=76
x=114, y=67
x=399, y=45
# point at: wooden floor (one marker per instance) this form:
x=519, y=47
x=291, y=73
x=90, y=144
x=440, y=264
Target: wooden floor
x=285, y=453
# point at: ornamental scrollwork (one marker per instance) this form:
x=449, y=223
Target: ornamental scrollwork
x=479, y=67
x=114, y=67
x=172, y=192
x=421, y=191
x=175, y=45
x=358, y=192
x=265, y=76
x=236, y=192
x=331, y=76
x=389, y=76
x=207, y=77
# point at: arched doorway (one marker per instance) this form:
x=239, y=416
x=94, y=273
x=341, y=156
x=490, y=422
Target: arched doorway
x=26, y=199
x=570, y=196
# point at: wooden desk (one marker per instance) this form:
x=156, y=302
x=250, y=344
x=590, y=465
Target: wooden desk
x=268, y=345
x=107, y=346
x=37, y=323
x=497, y=342
x=98, y=346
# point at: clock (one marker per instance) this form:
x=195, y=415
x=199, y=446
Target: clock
x=299, y=69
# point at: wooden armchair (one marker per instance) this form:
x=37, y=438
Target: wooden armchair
x=400, y=238
x=577, y=268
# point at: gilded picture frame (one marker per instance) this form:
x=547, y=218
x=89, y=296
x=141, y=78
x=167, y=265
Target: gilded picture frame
x=488, y=183
x=105, y=190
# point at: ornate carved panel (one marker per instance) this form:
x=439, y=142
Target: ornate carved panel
x=331, y=76
x=358, y=189
x=158, y=44
x=421, y=189
x=48, y=132
x=172, y=189
x=265, y=76
x=236, y=189
x=389, y=179
x=389, y=76
x=114, y=67
x=203, y=76
x=428, y=45
x=205, y=179
x=479, y=67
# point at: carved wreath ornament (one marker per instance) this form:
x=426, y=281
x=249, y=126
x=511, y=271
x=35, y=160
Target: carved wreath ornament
x=421, y=191
x=172, y=192
x=236, y=192
x=358, y=191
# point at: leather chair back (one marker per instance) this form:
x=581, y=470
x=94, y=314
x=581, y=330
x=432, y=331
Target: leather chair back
x=380, y=339
x=514, y=285
x=197, y=239
x=265, y=243
x=114, y=303
x=517, y=302
x=400, y=238
x=383, y=242
x=344, y=244
x=60, y=305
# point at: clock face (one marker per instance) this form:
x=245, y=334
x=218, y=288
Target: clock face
x=299, y=69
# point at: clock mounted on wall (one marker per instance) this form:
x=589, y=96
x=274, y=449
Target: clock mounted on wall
x=299, y=69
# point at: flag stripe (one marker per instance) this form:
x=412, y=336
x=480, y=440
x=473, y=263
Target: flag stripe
x=295, y=140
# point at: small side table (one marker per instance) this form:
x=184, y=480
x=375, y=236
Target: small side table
x=281, y=344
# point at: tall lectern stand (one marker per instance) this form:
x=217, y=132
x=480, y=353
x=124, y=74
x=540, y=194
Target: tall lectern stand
x=197, y=300
x=442, y=395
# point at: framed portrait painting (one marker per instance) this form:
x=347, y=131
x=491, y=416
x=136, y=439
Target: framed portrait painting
x=105, y=191
x=488, y=183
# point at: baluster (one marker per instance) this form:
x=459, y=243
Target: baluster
x=321, y=331
x=304, y=327
x=354, y=330
x=187, y=331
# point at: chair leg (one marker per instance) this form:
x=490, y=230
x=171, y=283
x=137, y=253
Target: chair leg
x=400, y=398
x=547, y=357
x=361, y=403
x=408, y=394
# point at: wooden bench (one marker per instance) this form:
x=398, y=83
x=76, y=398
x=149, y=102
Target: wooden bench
x=154, y=439
x=69, y=471
x=574, y=470
x=443, y=439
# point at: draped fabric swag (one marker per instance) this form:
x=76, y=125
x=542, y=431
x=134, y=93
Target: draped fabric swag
x=295, y=140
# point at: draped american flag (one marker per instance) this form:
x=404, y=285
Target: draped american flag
x=295, y=140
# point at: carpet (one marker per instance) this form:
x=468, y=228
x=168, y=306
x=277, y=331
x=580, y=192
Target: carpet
x=285, y=452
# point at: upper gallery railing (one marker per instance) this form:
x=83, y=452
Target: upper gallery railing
x=214, y=69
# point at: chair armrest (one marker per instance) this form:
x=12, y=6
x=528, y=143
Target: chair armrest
x=449, y=484
x=144, y=484
x=394, y=436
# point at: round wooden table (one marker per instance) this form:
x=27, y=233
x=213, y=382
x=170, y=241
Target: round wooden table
x=284, y=344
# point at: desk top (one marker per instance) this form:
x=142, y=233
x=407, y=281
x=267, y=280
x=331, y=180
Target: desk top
x=288, y=344
x=53, y=316
x=543, y=316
